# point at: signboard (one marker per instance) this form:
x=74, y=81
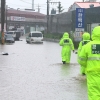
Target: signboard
x=78, y=34
x=16, y=18
x=79, y=28
x=80, y=17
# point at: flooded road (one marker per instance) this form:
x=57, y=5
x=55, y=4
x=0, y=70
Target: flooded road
x=35, y=72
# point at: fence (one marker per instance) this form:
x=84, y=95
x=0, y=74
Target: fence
x=60, y=23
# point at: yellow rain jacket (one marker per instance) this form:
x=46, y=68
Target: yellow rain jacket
x=89, y=57
x=67, y=46
x=86, y=39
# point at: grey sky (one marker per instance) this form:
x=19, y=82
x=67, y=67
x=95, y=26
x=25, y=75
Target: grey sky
x=42, y=3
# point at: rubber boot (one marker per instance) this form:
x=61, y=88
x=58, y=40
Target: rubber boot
x=64, y=62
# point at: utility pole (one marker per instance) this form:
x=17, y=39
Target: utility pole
x=59, y=6
x=60, y=10
x=32, y=7
x=33, y=4
x=38, y=8
x=47, y=16
x=57, y=17
x=2, y=20
x=6, y=11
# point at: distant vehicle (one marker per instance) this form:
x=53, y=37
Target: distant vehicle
x=9, y=38
x=12, y=33
x=15, y=34
x=18, y=35
x=34, y=37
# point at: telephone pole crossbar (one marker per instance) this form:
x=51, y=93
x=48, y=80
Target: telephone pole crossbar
x=59, y=6
x=54, y=2
x=59, y=9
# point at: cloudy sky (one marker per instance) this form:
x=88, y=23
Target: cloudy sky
x=22, y=4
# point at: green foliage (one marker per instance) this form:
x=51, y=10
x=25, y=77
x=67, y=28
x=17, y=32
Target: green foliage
x=60, y=8
x=59, y=36
x=53, y=36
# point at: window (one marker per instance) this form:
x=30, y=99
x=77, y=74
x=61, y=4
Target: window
x=8, y=36
x=9, y=32
x=17, y=32
x=36, y=35
x=30, y=35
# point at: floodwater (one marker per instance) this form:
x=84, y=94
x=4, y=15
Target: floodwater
x=35, y=72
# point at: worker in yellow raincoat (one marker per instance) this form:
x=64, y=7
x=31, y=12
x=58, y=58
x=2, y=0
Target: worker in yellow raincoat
x=89, y=57
x=67, y=46
x=85, y=40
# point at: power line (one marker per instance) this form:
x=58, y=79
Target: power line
x=30, y=3
x=22, y=5
x=15, y=4
x=36, y=5
x=25, y=2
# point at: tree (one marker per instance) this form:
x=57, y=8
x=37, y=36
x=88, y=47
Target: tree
x=60, y=8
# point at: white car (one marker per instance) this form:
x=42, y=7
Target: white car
x=34, y=37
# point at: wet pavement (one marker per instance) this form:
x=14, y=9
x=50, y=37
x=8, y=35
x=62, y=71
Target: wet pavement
x=35, y=72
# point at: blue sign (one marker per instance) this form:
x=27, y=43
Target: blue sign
x=80, y=14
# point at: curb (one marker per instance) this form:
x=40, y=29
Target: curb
x=51, y=40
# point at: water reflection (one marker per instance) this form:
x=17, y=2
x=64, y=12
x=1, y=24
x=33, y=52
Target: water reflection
x=76, y=84
x=34, y=73
x=65, y=69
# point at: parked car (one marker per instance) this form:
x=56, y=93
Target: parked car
x=34, y=37
x=9, y=38
x=15, y=34
x=12, y=33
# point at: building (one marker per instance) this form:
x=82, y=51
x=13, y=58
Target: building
x=87, y=4
x=92, y=18
x=26, y=20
